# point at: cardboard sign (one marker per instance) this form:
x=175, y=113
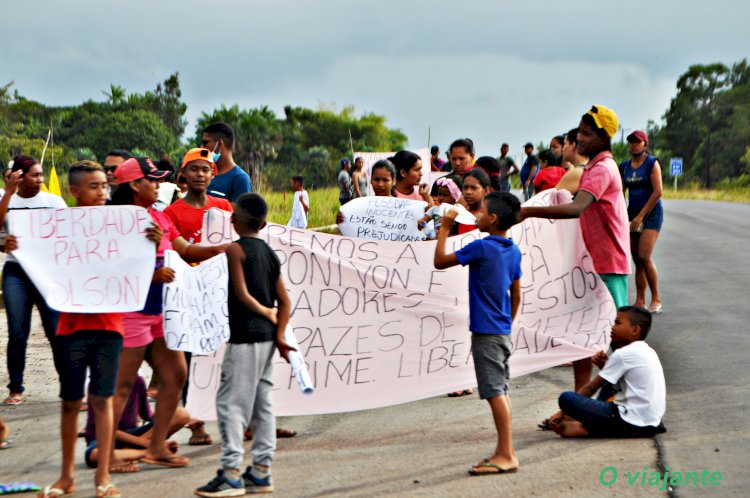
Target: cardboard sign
x=86, y=259
x=383, y=218
x=196, y=317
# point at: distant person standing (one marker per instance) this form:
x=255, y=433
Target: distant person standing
x=359, y=178
x=301, y=204
x=344, y=181
x=528, y=171
x=436, y=164
x=641, y=176
x=231, y=181
x=508, y=167
x=572, y=177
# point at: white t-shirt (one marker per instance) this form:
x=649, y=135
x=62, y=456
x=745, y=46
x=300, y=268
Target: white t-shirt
x=42, y=200
x=299, y=216
x=636, y=373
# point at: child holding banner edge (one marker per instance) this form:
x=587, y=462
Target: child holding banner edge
x=90, y=341
x=494, y=295
x=245, y=393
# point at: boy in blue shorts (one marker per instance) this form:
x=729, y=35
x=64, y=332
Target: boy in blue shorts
x=245, y=393
x=494, y=295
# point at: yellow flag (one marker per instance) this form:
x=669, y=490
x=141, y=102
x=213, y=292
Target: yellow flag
x=54, y=182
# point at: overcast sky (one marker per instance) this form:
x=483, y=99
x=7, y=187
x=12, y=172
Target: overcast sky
x=490, y=70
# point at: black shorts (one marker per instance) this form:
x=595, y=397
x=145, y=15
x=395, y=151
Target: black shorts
x=97, y=350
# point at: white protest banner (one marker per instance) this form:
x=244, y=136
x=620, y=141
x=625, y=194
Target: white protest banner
x=379, y=325
x=382, y=218
x=86, y=259
x=196, y=317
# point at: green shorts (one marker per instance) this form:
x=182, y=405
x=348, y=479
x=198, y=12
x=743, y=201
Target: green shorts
x=618, y=287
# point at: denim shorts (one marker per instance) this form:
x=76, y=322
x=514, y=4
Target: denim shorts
x=491, y=353
x=97, y=350
x=654, y=219
x=135, y=431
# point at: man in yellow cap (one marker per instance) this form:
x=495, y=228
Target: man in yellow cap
x=600, y=205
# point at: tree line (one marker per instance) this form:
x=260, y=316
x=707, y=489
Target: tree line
x=707, y=124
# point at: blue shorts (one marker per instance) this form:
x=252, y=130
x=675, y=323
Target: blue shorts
x=97, y=350
x=136, y=431
x=654, y=219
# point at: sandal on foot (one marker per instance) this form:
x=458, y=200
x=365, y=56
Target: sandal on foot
x=13, y=400
x=545, y=425
x=170, y=461
x=108, y=491
x=200, y=440
x=5, y=443
x=124, y=468
x=493, y=469
x=655, y=310
x=50, y=492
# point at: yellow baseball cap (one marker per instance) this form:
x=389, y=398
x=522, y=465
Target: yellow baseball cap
x=605, y=118
x=199, y=154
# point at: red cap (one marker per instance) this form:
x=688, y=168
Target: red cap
x=136, y=168
x=639, y=136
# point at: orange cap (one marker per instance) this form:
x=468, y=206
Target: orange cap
x=199, y=154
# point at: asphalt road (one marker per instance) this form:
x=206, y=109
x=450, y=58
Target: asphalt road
x=424, y=448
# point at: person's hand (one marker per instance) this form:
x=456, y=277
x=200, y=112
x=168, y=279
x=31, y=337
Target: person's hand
x=163, y=275
x=11, y=185
x=284, y=349
x=448, y=219
x=637, y=224
x=424, y=189
x=154, y=234
x=339, y=218
x=273, y=315
x=599, y=359
x=11, y=243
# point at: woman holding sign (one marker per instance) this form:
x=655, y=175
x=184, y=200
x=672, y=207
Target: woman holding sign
x=24, y=191
x=138, y=185
x=641, y=176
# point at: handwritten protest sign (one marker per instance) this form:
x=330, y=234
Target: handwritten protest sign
x=378, y=325
x=196, y=317
x=86, y=259
x=382, y=218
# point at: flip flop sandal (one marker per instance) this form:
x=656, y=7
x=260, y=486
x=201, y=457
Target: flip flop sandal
x=101, y=491
x=50, y=492
x=655, y=310
x=5, y=443
x=13, y=400
x=496, y=469
x=545, y=425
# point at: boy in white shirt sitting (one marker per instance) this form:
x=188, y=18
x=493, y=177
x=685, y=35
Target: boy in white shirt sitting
x=633, y=374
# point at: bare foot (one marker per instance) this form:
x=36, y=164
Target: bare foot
x=123, y=467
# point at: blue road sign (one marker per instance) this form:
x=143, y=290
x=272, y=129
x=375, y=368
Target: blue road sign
x=675, y=166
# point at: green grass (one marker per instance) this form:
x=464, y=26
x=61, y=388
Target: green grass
x=700, y=194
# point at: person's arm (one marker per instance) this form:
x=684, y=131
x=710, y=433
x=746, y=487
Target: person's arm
x=355, y=183
x=513, y=168
x=302, y=198
x=532, y=172
x=235, y=261
x=192, y=253
x=442, y=259
x=570, y=180
x=656, y=184
x=285, y=311
x=131, y=440
x=562, y=211
x=515, y=298
x=11, y=186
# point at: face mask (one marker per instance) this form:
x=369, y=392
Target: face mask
x=217, y=155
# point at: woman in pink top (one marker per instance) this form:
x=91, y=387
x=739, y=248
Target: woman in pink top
x=600, y=205
x=409, y=176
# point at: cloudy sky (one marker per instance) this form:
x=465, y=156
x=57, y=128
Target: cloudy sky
x=490, y=70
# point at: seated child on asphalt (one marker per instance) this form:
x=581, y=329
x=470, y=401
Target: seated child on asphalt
x=494, y=295
x=635, y=374
x=245, y=392
x=133, y=434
